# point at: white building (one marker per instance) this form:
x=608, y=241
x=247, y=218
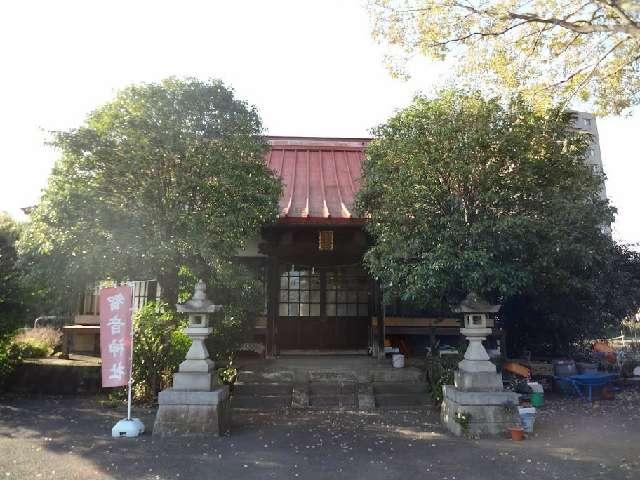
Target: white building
x=587, y=122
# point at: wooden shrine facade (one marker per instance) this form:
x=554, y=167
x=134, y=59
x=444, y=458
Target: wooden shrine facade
x=319, y=297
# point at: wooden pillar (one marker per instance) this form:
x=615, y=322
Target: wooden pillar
x=432, y=339
x=273, y=285
x=381, y=315
x=66, y=342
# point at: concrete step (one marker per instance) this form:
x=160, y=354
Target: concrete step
x=333, y=401
x=331, y=376
x=401, y=399
x=400, y=394
x=318, y=388
x=394, y=388
x=261, y=396
x=330, y=395
x=263, y=389
x=333, y=394
x=247, y=376
x=266, y=402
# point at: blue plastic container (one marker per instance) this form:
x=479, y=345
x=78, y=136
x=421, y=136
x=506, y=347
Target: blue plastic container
x=527, y=418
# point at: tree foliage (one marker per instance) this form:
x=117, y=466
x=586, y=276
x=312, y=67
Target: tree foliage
x=239, y=289
x=13, y=295
x=159, y=347
x=545, y=49
x=165, y=175
x=9, y=281
x=465, y=194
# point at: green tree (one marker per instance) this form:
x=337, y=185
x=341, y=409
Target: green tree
x=546, y=49
x=466, y=194
x=165, y=175
x=12, y=293
x=158, y=348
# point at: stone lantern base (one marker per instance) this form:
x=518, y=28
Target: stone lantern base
x=183, y=412
x=477, y=395
x=487, y=413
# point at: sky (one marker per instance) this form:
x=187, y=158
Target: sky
x=311, y=68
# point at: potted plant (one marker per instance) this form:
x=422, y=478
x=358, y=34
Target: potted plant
x=516, y=431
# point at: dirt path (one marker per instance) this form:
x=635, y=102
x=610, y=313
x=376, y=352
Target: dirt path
x=69, y=438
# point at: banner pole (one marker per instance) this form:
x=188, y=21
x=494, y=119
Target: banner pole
x=129, y=402
x=129, y=427
x=130, y=382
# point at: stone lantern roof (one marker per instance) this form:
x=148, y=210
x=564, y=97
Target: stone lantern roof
x=473, y=303
x=199, y=303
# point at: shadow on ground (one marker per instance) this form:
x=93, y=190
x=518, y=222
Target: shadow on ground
x=70, y=438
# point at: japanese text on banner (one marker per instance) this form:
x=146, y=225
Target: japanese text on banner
x=115, y=335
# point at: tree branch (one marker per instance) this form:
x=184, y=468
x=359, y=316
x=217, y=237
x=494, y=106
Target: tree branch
x=478, y=34
x=613, y=4
x=630, y=27
x=591, y=73
x=578, y=26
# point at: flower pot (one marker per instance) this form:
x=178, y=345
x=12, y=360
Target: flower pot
x=517, y=433
x=608, y=393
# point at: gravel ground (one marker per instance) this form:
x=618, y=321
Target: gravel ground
x=69, y=438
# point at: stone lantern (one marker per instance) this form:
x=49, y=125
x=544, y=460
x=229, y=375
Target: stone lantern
x=197, y=371
x=196, y=404
x=477, y=400
x=476, y=359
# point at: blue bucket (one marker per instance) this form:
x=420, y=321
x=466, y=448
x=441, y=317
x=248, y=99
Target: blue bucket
x=527, y=417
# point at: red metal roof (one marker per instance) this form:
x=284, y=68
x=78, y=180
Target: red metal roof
x=320, y=177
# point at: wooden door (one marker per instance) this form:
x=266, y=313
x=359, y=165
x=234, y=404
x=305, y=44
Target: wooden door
x=346, y=306
x=299, y=313
x=323, y=309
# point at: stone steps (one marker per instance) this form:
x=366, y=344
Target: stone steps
x=348, y=402
x=333, y=395
x=260, y=403
x=395, y=388
x=328, y=389
x=402, y=400
x=262, y=396
x=328, y=383
x=394, y=394
x=329, y=395
x=262, y=389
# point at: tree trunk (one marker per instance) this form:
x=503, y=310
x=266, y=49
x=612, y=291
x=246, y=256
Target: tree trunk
x=168, y=279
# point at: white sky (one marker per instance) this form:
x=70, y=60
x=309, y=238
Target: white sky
x=310, y=67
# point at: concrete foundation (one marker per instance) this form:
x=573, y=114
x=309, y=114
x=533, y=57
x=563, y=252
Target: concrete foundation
x=192, y=413
x=487, y=413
